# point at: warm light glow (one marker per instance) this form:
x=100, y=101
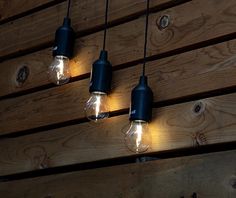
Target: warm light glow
x=139, y=135
x=138, y=138
x=97, y=106
x=115, y=101
x=78, y=67
x=162, y=138
x=59, y=71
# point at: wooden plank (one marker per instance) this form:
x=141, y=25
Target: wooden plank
x=208, y=175
x=39, y=28
x=173, y=127
x=125, y=45
x=170, y=78
x=11, y=8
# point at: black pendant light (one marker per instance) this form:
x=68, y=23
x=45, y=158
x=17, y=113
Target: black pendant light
x=138, y=138
x=100, y=83
x=59, y=71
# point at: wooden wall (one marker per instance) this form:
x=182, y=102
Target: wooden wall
x=49, y=150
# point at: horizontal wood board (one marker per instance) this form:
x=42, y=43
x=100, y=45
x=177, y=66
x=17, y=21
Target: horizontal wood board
x=181, y=126
x=187, y=74
x=39, y=28
x=173, y=127
x=12, y=8
x=125, y=42
x=209, y=175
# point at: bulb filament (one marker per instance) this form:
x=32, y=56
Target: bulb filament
x=139, y=135
x=98, y=103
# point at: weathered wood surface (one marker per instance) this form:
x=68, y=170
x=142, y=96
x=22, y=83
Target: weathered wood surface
x=208, y=176
x=39, y=28
x=192, y=124
x=173, y=127
x=182, y=75
x=125, y=42
x=11, y=8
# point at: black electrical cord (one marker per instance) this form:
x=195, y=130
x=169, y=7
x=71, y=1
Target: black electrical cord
x=68, y=9
x=105, y=28
x=145, y=39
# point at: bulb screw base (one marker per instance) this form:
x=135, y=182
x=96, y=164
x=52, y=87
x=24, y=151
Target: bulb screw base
x=101, y=74
x=64, y=40
x=141, y=101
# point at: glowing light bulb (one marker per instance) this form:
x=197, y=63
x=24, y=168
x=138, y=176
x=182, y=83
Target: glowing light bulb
x=137, y=138
x=97, y=106
x=59, y=70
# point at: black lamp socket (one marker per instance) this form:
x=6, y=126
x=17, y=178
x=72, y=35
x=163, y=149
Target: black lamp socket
x=141, y=101
x=101, y=74
x=64, y=40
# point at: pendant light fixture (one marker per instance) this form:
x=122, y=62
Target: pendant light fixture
x=97, y=107
x=59, y=71
x=137, y=138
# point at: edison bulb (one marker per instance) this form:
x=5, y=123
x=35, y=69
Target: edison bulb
x=137, y=138
x=59, y=71
x=97, y=106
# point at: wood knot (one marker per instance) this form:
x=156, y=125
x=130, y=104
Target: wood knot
x=48, y=196
x=198, y=108
x=43, y=165
x=39, y=157
x=200, y=139
x=22, y=75
x=194, y=195
x=163, y=22
x=233, y=183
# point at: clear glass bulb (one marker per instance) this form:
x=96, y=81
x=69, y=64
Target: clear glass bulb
x=137, y=138
x=97, y=106
x=59, y=70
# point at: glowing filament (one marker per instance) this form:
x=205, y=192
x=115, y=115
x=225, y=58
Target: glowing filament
x=98, y=104
x=139, y=135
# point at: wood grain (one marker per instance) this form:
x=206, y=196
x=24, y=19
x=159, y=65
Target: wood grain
x=11, y=8
x=208, y=176
x=125, y=42
x=178, y=76
x=173, y=127
x=39, y=28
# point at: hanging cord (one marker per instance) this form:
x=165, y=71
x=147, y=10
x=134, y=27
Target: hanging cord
x=68, y=9
x=105, y=28
x=145, y=41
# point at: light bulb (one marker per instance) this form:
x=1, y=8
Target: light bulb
x=137, y=138
x=97, y=106
x=59, y=70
